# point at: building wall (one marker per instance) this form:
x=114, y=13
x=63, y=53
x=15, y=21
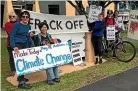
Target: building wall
x=44, y=6
x=111, y=7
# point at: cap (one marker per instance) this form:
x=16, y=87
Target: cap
x=109, y=12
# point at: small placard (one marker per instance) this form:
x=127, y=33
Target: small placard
x=76, y=54
x=110, y=32
x=93, y=13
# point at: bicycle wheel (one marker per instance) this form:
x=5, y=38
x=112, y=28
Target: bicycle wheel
x=125, y=51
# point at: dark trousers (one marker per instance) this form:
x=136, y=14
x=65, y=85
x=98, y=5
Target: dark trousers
x=97, y=44
x=21, y=46
x=105, y=37
x=11, y=60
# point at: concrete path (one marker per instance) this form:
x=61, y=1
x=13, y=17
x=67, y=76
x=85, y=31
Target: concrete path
x=126, y=81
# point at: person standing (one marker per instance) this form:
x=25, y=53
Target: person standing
x=110, y=21
x=97, y=30
x=119, y=21
x=42, y=39
x=20, y=39
x=8, y=27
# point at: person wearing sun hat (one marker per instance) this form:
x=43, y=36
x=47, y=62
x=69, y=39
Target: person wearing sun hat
x=8, y=27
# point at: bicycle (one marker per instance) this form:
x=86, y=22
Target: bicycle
x=119, y=48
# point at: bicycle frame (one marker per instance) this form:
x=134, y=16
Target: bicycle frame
x=112, y=44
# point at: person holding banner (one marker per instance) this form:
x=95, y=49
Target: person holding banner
x=119, y=21
x=8, y=27
x=97, y=29
x=42, y=39
x=20, y=39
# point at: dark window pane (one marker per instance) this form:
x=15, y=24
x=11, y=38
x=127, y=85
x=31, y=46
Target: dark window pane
x=53, y=9
x=29, y=7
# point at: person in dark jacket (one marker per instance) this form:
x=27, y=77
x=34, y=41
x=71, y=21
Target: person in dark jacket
x=20, y=39
x=42, y=39
x=98, y=28
x=8, y=27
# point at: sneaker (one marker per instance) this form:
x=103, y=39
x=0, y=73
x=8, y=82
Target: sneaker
x=25, y=79
x=24, y=86
x=50, y=82
x=56, y=80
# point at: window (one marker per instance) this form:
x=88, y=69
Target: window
x=53, y=9
x=29, y=7
x=17, y=9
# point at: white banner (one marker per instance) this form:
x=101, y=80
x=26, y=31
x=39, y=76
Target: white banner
x=59, y=23
x=110, y=32
x=133, y=25
x=71, y=38
x=76, y=34
x=40, y=58
x=94, y=12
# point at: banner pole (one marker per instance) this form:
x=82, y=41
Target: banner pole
x=36, y=7
x=89, y=52
x=8, y=7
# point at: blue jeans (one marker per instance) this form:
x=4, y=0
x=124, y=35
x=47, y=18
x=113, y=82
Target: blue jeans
x=52, y=73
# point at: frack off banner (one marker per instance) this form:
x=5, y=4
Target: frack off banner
x=40, y=58
x=93, y=13
x=64, y=28
x=59, y=23
x=133, y=25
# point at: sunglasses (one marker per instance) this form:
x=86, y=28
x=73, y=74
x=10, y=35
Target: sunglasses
x=25, y=17
x=11, y=16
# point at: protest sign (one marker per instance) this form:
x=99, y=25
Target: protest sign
x=133, y=25
x=71, y=38
x=76, y=54
x=40, y=58
x=110, y=34
x=64, y=34
x=94, y=12
x=119, y=23
x=59, y=23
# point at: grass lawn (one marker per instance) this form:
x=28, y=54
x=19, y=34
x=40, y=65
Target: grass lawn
x=71, y=81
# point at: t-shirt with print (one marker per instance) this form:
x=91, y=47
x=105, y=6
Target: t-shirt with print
x=44, y=40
